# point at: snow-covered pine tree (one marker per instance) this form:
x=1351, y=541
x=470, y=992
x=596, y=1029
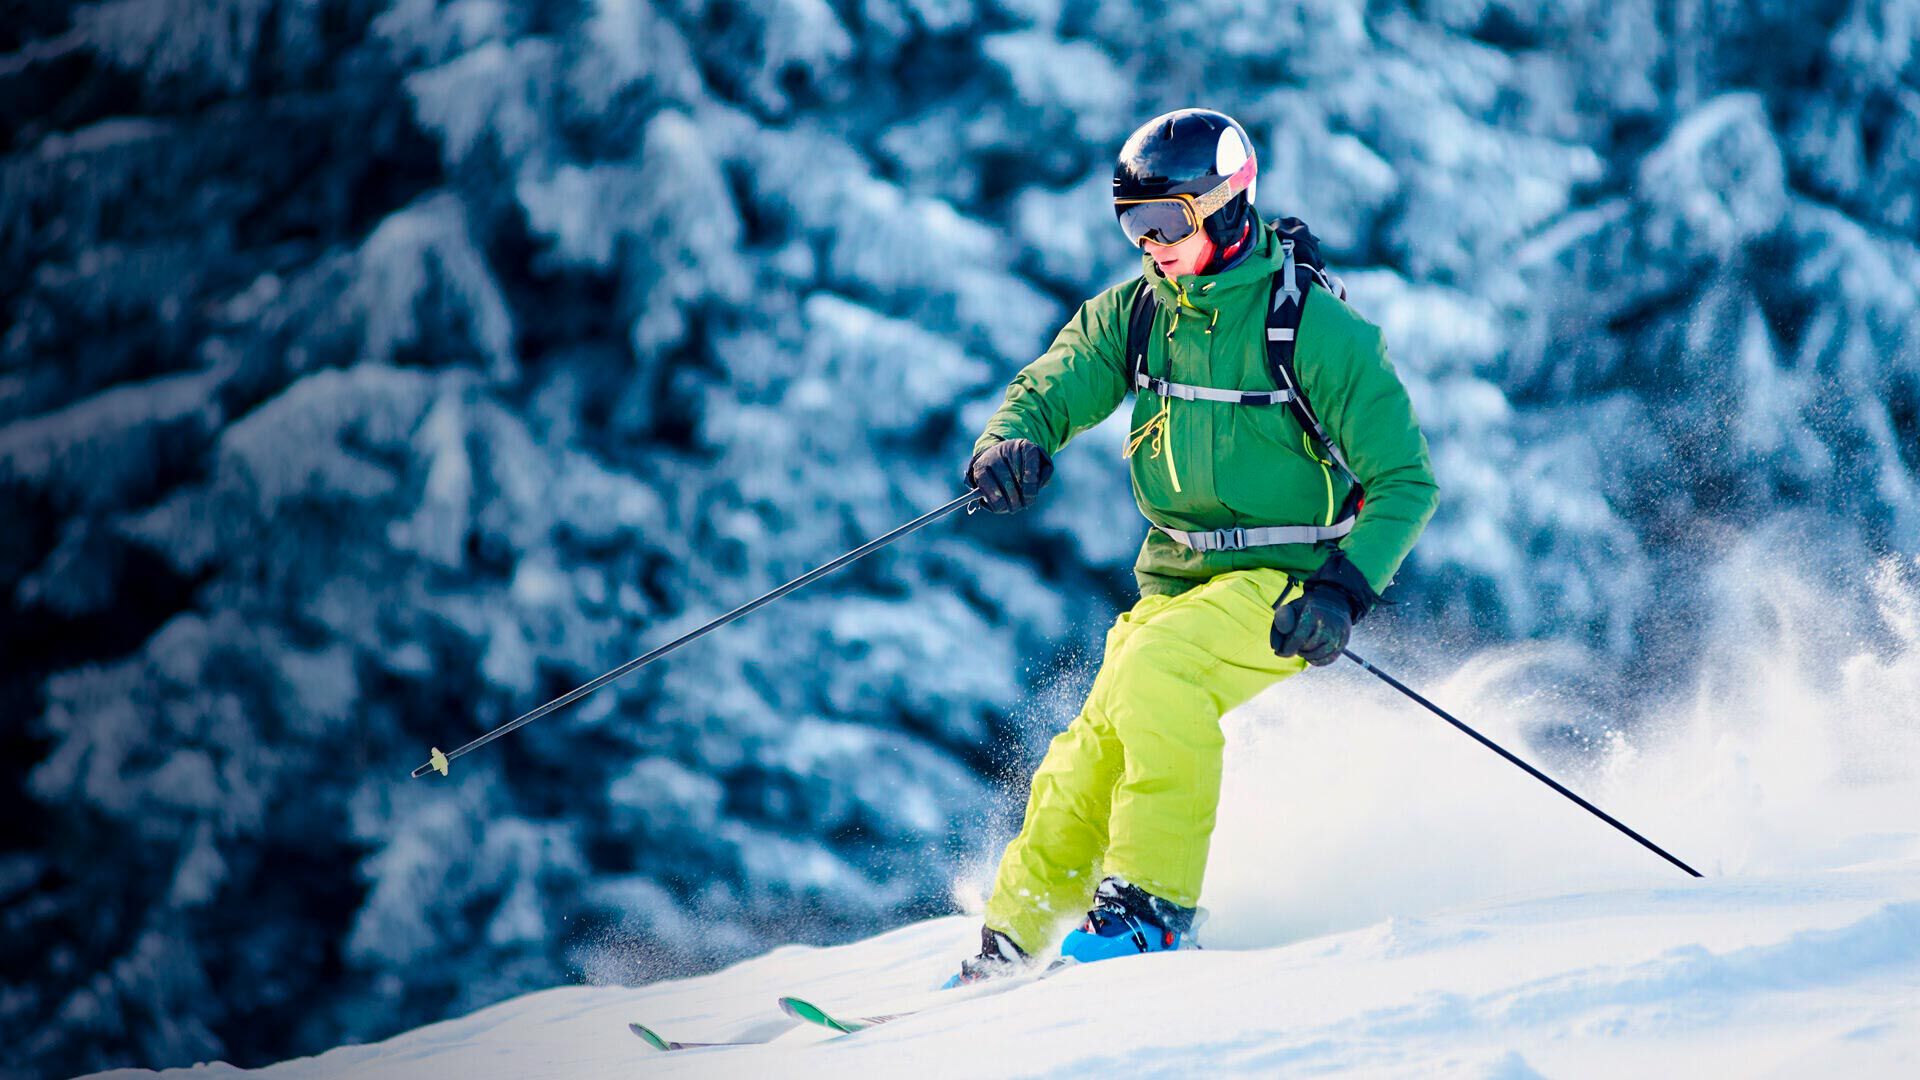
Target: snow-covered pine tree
x=373, y=368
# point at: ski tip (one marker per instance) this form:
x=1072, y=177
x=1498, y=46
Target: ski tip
x=646, y=1033
x=438, y=761
x=812, y=1014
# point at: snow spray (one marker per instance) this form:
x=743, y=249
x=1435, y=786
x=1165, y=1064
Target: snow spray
x=1797, y=747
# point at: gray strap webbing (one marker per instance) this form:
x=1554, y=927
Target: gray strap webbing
x=1188, y=392
x=1289, y=288
x=1339, y=459
x=1268, y=536
x=1289, y=293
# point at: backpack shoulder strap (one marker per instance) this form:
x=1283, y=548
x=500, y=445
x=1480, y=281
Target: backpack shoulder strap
x=1300, y=272
x=1140, y=316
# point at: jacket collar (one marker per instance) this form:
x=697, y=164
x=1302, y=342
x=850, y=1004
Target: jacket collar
x=1207, y=292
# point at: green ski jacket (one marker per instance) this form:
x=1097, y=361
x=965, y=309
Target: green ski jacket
x=1202, y=465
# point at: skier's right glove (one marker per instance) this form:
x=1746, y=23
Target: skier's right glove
x=1009, y=474
x=1316, y=624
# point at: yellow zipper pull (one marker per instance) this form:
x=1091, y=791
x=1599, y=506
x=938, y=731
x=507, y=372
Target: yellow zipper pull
x=1160, y=431
x=1326, y=469
x=1149, y=430
x=1185, y=300
x=1167, y=432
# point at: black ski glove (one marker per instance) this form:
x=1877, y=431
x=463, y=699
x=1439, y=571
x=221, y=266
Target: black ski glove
x=1315, y=625
x=1010, y=474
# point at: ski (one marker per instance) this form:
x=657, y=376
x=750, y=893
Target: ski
x=758, y=1034
x=809, y=1012
x=653, y=1039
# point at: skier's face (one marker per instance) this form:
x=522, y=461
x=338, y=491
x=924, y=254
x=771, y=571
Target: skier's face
x=1183, y=258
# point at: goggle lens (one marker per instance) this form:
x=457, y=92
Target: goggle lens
x=1171, y=220
x=1163, y=221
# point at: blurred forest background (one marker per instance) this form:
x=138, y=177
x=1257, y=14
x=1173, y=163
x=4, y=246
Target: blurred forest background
x=371, y=370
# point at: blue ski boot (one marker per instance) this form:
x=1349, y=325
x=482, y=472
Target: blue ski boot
x=999, y=957
x=1126, y=920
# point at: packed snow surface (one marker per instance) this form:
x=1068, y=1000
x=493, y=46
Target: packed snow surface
x=1785, y=975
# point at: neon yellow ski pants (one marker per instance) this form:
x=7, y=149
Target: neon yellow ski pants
x=1131, y=787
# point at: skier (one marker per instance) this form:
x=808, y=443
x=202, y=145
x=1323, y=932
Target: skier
x=1276, y=455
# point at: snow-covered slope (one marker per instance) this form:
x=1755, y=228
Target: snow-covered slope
x=1386, y=898
x=1792, y=975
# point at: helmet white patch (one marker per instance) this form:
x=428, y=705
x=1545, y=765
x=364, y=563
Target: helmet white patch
x=1230, y=154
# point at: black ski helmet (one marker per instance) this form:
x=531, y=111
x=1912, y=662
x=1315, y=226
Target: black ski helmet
x=1189, y=152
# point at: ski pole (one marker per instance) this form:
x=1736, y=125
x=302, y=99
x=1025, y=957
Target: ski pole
x=1535, y=773
x=438, y=761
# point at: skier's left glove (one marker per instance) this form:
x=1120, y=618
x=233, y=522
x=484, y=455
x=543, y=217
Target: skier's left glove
x=1316, y=624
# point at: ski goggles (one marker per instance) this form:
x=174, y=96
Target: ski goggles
x=1169, y=219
